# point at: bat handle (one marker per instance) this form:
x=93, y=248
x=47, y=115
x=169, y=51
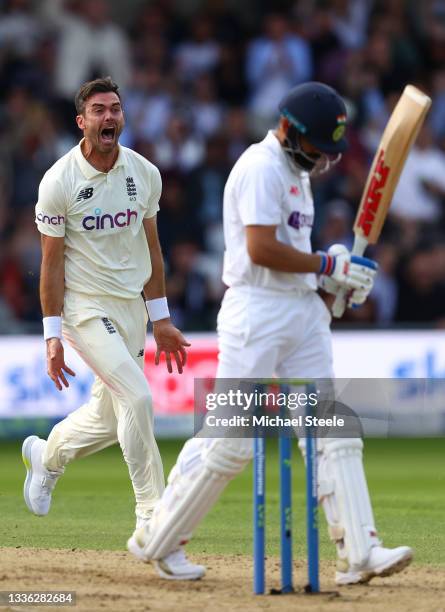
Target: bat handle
x=339, y=305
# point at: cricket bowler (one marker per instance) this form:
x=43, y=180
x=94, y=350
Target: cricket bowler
x=273, y=322
x=101, y=257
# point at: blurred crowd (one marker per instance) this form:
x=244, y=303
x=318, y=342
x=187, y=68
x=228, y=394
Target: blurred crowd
x=198, y=87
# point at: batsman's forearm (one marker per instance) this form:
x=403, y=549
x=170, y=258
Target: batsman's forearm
x=52, y=287
x=283, y=258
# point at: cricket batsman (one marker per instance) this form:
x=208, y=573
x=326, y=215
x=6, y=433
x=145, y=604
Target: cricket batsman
x=101, y=257
x=273, y=322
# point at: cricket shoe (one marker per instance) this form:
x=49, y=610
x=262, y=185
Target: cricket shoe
x=174, y=566
x=381, y=562
x=39, y=482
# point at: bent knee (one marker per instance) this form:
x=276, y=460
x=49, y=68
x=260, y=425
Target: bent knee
x=229, y=456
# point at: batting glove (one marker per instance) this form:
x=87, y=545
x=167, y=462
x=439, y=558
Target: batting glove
x=343, y=270
x=365, y=274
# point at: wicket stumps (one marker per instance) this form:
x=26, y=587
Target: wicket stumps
x=259, y=512
x=313, y=585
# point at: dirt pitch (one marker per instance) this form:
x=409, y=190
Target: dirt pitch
x=115, y=581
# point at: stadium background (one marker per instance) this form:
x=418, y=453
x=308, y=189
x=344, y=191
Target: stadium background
x=200, y=82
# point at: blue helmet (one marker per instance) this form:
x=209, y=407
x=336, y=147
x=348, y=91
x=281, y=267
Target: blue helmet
x=317, y=112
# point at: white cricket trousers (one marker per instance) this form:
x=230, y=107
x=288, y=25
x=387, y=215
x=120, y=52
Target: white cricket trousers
x=263, y=333
x=109, y=334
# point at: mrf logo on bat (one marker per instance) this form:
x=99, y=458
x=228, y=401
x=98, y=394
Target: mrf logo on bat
x=374, y=194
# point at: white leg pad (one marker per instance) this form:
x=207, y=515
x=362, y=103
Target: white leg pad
x=345, y=498
x=343, y=493
x=203, y=469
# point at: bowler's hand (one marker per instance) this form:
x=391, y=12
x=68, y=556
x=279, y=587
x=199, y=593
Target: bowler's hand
x=169, y=340
x=55, y=362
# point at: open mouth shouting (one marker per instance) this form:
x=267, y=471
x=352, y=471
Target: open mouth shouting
x=107, y=135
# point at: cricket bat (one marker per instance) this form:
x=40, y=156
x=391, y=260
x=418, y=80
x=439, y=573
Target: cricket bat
x=397, y=139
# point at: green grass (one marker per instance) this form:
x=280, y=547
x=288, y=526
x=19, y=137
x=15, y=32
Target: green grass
x=93, y=502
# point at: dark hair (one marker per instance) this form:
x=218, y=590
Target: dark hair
x=90, y=88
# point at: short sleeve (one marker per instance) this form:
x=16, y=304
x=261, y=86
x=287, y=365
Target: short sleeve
x=260, y=193
x=155, y=193
x=51, y=208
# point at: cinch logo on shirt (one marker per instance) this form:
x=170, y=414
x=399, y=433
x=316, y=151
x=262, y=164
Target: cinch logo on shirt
x=298, y=220
x=99, y=221
x=54, y=220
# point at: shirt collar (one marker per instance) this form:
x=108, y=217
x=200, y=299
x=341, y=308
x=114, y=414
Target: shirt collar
x=274, y=145
x=90, y=171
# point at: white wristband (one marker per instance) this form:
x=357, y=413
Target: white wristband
x=157, y=309
x=52, y=327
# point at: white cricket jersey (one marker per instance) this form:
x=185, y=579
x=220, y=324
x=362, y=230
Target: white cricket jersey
x=262, y=189
x=100, y=215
